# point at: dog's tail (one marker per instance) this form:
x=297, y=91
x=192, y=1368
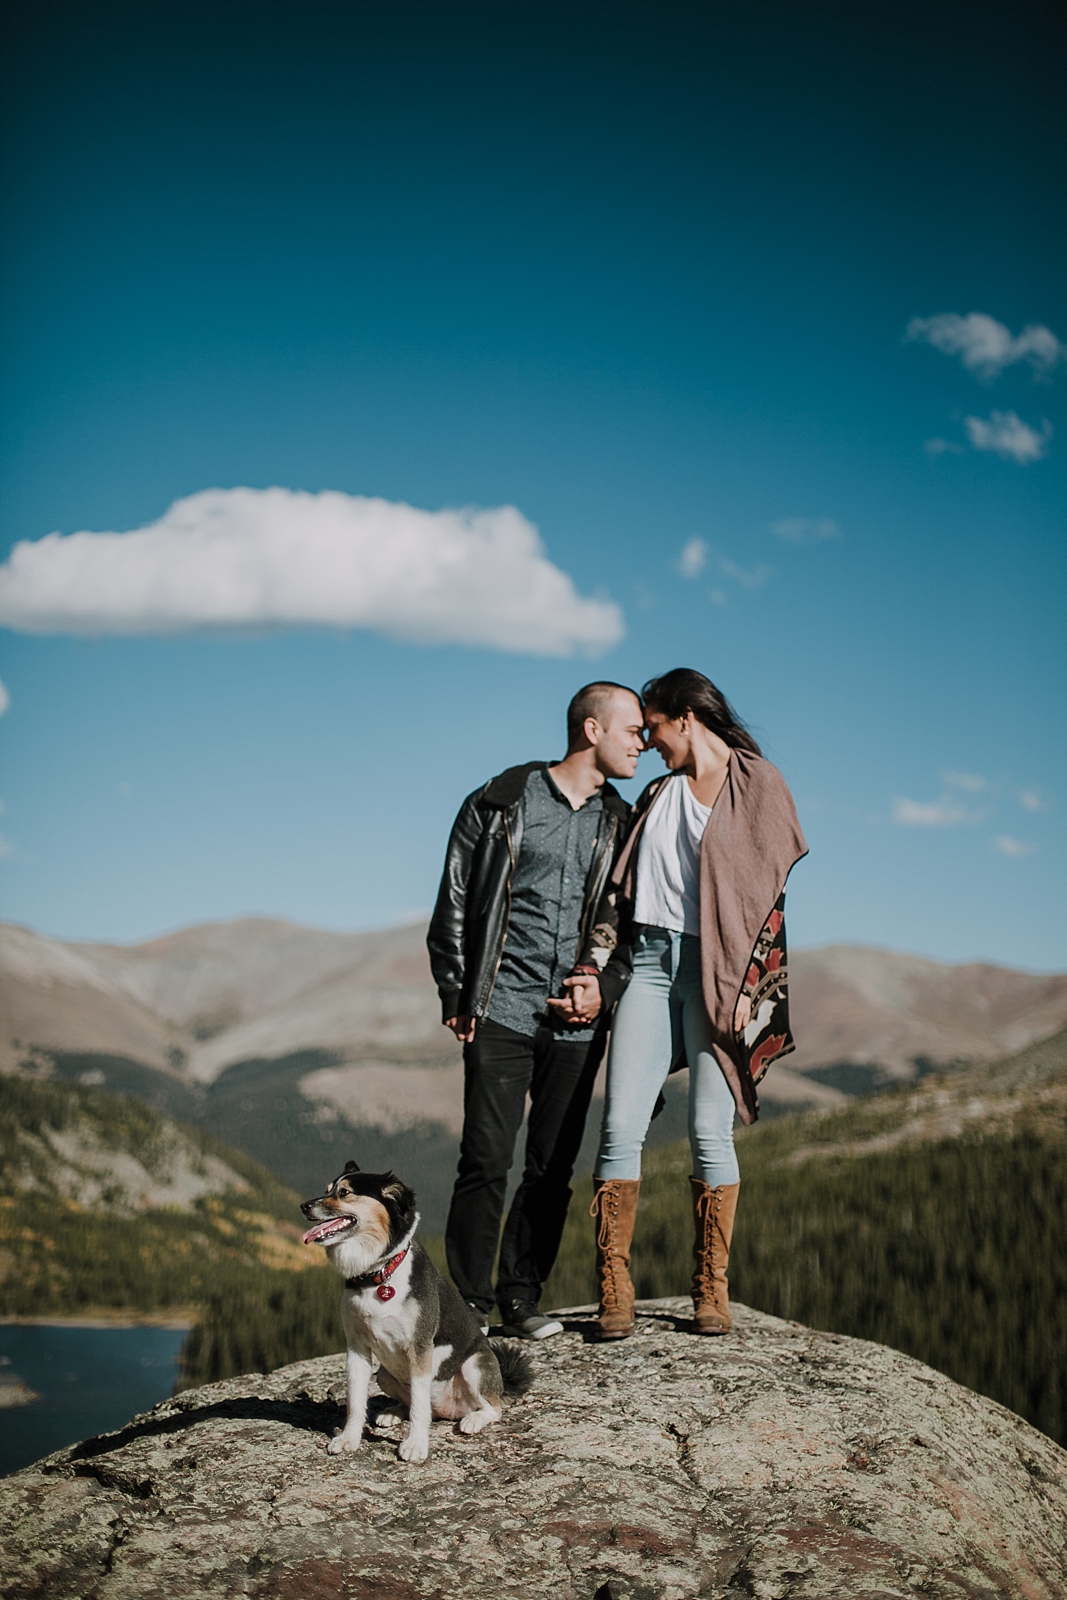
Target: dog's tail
x=516, y=1369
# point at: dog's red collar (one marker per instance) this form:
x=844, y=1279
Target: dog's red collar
x=385, y=1290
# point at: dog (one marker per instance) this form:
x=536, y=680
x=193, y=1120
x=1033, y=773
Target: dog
x=397, y=1310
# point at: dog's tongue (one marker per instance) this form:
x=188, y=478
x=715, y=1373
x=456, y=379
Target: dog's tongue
x=322, y=1232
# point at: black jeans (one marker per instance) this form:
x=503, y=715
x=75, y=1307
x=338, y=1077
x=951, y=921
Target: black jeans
x=500, y=1068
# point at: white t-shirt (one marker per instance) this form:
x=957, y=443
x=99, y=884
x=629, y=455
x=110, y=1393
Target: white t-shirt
x=668, y=859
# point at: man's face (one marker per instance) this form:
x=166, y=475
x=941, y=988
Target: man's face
x=622, y=736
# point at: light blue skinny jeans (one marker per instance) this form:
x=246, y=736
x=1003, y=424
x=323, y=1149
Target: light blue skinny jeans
x=661, y=1008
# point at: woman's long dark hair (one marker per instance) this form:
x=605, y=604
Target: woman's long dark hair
x=675, y=693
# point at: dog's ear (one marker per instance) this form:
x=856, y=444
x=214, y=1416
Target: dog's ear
x=398, y=1193
x=351, y=1166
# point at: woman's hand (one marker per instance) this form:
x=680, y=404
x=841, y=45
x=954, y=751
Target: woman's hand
x=742, y=1013
x=584, y=1002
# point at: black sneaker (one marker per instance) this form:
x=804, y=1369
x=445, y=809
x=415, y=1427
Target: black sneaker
x=522, y=1320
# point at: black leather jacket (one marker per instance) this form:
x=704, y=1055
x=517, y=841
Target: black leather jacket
x=470, y=920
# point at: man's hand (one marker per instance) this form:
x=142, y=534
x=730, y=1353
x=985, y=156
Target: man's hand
x=584, y=1002
x=743, y=1013
x=462, y=1027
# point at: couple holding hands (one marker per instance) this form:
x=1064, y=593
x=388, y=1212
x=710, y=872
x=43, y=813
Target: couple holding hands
x=566, y=918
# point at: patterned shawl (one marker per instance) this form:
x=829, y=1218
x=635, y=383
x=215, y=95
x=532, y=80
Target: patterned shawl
x=750, y=845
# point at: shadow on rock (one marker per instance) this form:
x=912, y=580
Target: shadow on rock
x=644, y=1321
x=314, y=1416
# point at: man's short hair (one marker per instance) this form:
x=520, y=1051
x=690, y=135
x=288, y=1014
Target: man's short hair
x=591, y=702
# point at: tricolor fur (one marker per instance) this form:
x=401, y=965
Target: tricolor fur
x=431, y=1354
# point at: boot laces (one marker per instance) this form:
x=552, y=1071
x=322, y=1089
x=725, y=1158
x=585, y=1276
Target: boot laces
x=605, y=1208
x=706, y=1213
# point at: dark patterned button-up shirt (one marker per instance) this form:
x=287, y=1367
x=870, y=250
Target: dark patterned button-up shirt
x=547, y=892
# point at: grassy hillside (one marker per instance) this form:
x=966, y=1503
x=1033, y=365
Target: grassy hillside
x=258, y=1107
x=933, y=1219
x=107, y=1203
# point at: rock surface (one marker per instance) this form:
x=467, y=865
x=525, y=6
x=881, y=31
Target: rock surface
x=777, y=1463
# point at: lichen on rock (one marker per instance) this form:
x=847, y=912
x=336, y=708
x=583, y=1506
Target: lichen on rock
x=777, y=1463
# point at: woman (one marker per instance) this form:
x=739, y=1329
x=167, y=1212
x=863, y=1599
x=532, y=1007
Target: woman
x=694, y=912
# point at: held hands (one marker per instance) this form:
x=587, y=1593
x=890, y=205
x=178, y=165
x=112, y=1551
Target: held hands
x=582, y=1005
x=462, y=1027
x=583, y=1002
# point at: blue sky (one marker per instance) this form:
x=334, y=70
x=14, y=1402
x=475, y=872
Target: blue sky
x=644, y=273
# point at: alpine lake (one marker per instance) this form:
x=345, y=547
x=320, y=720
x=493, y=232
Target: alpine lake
x=65, y=1381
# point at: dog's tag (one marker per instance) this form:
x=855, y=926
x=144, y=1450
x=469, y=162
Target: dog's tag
x=385, y=1291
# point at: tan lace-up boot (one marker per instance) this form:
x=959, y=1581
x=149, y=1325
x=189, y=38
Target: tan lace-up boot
x=713, y=1215
x=615, y=1207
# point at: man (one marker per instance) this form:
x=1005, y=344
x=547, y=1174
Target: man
x=528, y=857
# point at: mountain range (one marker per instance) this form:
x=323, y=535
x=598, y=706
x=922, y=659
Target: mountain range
x=199, y=1000
x=293, y=1042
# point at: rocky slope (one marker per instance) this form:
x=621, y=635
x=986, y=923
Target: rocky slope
x=777, y=1463
x=1024, y=1093
x=77, y=1148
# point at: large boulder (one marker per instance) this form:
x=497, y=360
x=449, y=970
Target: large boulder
x=775, y=1463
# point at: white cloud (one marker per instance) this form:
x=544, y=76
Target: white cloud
x=943, y=813
x=1004, y=433
x=717, y=597
x=748, y=580
x=692, y=559
x=1034, y=800
x=5, y=699
x=1008, y=437
x=6, y=848
x=806, y=530
x=1013, y=847
x=965, y=780
x=985, y=346
x=232, y=558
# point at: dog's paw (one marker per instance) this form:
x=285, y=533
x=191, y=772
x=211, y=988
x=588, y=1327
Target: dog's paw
x=344, y=1444
x=397, y=1413
x=414, y=1450
x=475, y=1421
